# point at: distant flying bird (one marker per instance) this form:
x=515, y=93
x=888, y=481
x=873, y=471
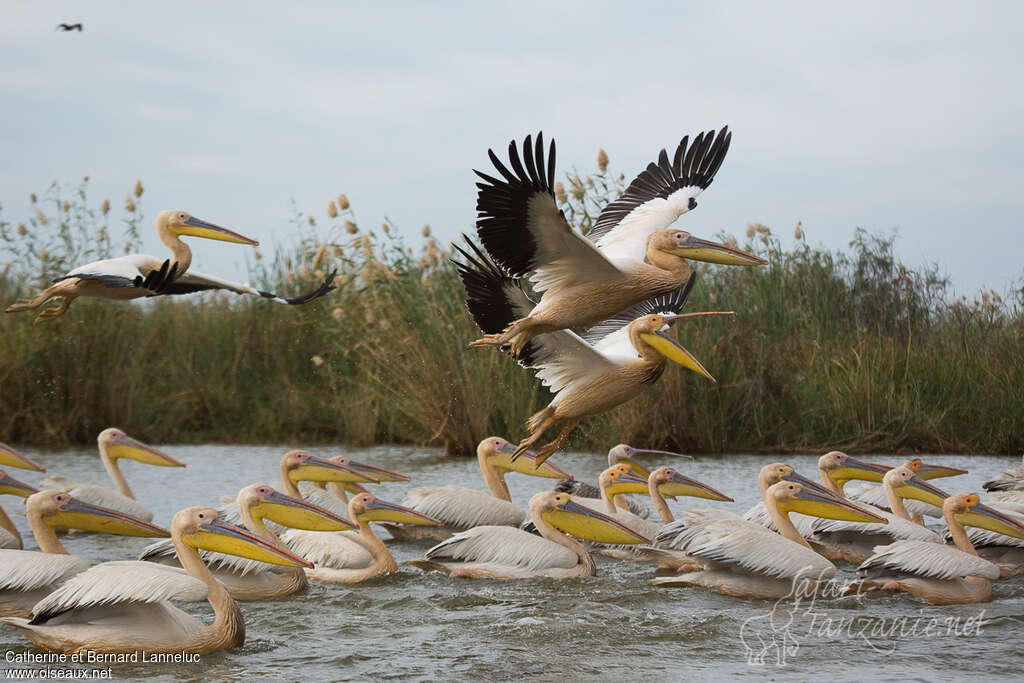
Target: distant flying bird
x=69, y=27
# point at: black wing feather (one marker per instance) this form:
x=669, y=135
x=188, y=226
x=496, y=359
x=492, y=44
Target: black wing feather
x=666, y=304
x=693, y=165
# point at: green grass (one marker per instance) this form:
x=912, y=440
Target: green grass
x=829, y=350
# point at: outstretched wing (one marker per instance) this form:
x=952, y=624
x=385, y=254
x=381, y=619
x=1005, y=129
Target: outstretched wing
x=163, y=282
x=112, y=583
x=659, y=195
x=521, y=227
x=611, y=337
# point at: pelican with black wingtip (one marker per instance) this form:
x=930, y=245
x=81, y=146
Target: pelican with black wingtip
x=140, y=275
x=628, y=257
x=615, y=362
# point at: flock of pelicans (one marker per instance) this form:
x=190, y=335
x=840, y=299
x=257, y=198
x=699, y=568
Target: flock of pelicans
x=262, y=542
x=626, y=280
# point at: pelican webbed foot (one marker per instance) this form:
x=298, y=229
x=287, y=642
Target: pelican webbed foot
x=54, y=311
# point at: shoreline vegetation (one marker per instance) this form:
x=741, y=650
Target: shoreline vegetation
x=830, y=350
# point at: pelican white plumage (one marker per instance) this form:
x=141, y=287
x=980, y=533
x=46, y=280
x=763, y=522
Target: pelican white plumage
x=27, y=576
x=1006, y=552
x=114, y=445
x=126, y=606
x=10, y=537
x=941, y=574
x=248, y=579
x=630, y=256
x=460, y=508
x=141, y=275
x=353, y=556
x=1011, y=481
x=617, y=361
x=501, y=552
x=743, y=558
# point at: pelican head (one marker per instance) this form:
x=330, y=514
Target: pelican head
x=200, y=529
x=116, y=444
x=619, y=478
x=264, y=502
x=652, y=329
x=183, y=223
x=790, y=496
x=12, y=458
x=368, y=507
x=780, y=471
x=683, y=244
x=671, y=483
x=372, y=471
x=969, y=511
x=13, y=487
x=841, y=468
x=497, y=452
x=562, y=512
x=298, y=465
x=60, y=509
x=624, y=453
x=926, y=471
x=905, y=483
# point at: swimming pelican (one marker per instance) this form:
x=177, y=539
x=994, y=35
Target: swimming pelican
x=125, y=606
x=619, y=453
x=350, y=556
x=27, y=576
x=1006, y=552
x=12, y=458
x=333, y=495
x=585, y=281
x=614, y=364
x=876, y=496
x=248, y=579
x=114, y=444
x=502, y=552
x=941, y=574
x=743, y=558
x=460, y=508
x=853, y=541
x=298, y=465
x=9, y=535
x=138, y=275
x=1012, y=480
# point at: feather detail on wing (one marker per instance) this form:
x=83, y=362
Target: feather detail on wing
x=522, y=228
x=898, y=529
x=875, y=495
x=463, y=508
x=323, y=498
x=112, y=583
x=123, y=271
x=930, y=560
x=493, y=297
x=717, y=536
x=329, y=549
x=164, y=282
x=658, y=196
x=1012, y=480
x=505, y=546
x=27, y=570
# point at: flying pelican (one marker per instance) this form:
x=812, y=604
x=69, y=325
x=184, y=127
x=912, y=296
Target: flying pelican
x=349, y=556
x=138, y=275
x=619, y=453
x=248, y=579
x=460, y=508
x=119, y=607
x=941, y=574
x=502, y=552
x=589, y=376
x=743, y=558
x=113, y=445
x=27, y=576
x=585, y=281
x=9, y=535
x=69, y=27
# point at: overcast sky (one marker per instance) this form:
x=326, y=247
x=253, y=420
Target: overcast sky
x=879, y=115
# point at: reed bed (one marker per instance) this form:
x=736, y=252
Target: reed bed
x=848, y=350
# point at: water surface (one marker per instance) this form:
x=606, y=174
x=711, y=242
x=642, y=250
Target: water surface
x=615, y=626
